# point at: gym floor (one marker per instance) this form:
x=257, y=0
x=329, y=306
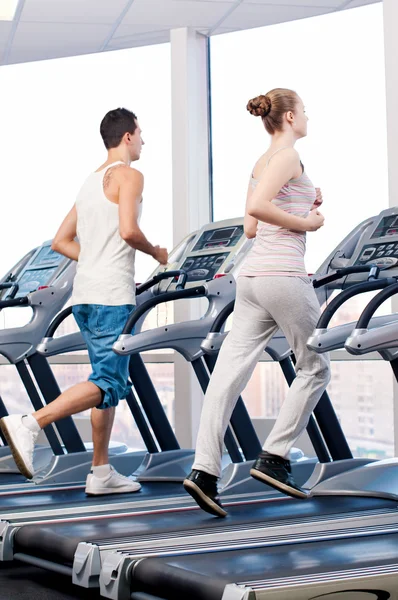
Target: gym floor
x=22, y=582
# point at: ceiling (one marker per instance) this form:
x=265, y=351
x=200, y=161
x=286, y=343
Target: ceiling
x=43, y=29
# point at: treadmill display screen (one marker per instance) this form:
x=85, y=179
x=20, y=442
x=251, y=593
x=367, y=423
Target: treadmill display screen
x=219, y=238
x=46, y=257
x=32, y=280
x=386, y=227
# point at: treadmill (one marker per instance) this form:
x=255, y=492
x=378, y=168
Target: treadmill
x=69, y=505
x=352, y=553
x=39, y=270
x=161, y=471
x=109, y=546
x=41, y=280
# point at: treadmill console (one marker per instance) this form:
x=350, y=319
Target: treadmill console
x=221, y=237
x=40, y=271
x=377, y=245
x=212, y=251
x=203, y=268
x=381, y=246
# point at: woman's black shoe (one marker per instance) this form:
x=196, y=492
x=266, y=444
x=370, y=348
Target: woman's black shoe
x=203, y=489
x=276, y=472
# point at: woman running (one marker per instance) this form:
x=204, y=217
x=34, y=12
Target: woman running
x=273, y=291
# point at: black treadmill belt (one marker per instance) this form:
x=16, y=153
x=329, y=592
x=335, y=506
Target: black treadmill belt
x=58, y=542
x=76, y=497
x=181, y=577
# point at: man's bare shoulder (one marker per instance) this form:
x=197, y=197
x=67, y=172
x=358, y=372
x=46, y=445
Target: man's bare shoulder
x=124, y=173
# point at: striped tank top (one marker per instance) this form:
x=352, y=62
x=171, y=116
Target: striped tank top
x=277, y=251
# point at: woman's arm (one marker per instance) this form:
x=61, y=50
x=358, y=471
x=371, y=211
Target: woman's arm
x=249, y=223
x=281, y=169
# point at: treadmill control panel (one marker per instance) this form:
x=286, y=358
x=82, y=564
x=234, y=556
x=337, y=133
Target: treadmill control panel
x=40, y=270
x=212, y=251
x=373, y=242
x=201, y=268
x=383, y=255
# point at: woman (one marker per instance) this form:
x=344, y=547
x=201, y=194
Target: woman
x=273, y=291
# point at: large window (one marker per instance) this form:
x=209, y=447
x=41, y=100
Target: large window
x=336, y=63
x=50, y=141
x=125, y=431
x=49, y=123
x=361, y=393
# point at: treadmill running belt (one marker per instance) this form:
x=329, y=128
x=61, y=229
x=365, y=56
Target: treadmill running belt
x=58, y=542
x=203, y=576
x=11, y=478
x=72, y=497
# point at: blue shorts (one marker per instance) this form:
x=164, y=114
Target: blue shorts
x=101, y=326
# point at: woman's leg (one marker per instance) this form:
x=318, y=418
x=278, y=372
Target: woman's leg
x=252, y=329
x=297, y=312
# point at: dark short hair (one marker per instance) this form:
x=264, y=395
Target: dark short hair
x=115, y=124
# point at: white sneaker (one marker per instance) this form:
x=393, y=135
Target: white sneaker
x=113, y=483
x=21, y=441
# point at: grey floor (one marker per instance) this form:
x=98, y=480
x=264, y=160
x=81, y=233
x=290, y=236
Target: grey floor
x=24, y=582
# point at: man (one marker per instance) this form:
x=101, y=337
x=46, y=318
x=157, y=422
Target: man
x=105, y=221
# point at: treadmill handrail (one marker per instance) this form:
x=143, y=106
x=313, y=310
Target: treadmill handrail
x=135, y=315
x=222, y=317
x=355, y=290
x=7, y=285
x=56, y=322
x=343, y=272
x=11, y=302
x=64, y=314
x=374, y=304
x=180, y=273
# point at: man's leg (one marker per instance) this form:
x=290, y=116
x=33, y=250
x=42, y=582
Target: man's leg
x=102, y=423
x=21, y=431
x=76, y=399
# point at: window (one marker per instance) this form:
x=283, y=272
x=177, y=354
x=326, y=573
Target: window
x=51, y=115
x=345, y=151
x=367, y=434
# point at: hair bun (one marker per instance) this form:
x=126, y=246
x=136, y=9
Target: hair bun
x=259, y=106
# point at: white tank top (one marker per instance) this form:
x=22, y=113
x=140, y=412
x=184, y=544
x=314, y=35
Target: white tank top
x=105, y=269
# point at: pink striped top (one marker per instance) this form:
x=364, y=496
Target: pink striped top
x=277, y=251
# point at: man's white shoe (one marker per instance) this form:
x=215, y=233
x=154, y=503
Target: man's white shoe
x=21, y=441
x=113, y=483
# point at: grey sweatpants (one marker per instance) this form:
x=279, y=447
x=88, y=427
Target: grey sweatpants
x=263, y=305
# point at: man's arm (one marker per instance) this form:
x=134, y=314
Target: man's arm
x=131, y=185
x=64, y=241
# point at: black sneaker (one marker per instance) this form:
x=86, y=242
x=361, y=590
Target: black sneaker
x=203, y=489
x=276, y=472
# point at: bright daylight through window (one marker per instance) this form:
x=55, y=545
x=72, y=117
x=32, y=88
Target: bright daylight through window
x=345, y=154
x=61, y=133
x=7, y=9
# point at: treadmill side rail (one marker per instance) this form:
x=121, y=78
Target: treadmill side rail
x=324, y=471
x=86, y=565
x=375, y=479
